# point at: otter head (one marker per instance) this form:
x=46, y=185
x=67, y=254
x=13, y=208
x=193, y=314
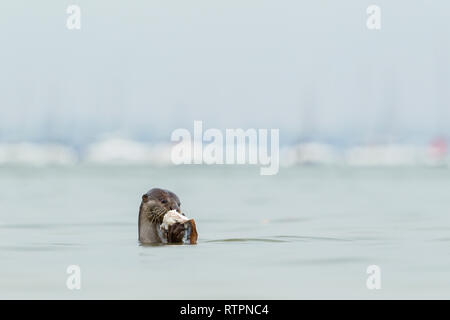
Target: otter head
x=161, y=198
x=155, y=204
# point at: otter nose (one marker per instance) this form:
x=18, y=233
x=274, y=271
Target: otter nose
x=175, y=207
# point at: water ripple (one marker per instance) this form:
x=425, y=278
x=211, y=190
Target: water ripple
x=309, y=238
x=29, y=248
x=327, y=261
x=279, y=238
x=66, y=225
x=246, y=240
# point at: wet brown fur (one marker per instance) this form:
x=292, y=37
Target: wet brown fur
x=155, y=204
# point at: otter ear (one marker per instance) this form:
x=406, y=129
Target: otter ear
x=144, y=197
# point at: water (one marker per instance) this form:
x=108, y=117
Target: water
x=308, y=232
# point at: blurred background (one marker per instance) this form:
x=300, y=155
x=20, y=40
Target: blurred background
x=133, y=73
x=85, y=123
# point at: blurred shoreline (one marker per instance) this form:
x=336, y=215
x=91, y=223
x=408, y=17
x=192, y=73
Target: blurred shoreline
x=118, y=151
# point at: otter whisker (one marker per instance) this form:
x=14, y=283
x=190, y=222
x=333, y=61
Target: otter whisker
x=156, y=214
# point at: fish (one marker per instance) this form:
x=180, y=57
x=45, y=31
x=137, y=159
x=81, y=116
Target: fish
x=171, y=219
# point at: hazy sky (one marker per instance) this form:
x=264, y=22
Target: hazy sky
x=141, y=69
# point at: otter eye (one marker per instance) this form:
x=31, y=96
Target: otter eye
x=164, y=201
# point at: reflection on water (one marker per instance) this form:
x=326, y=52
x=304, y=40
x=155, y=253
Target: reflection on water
x=304, y=233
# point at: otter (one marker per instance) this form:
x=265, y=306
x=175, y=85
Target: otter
x=155, y=204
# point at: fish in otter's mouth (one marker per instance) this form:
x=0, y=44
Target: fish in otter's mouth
x=172, y=219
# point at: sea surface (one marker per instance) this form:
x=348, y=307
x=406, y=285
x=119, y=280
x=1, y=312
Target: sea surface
x=306, y=233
